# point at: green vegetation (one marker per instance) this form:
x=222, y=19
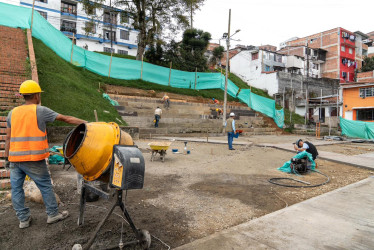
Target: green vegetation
x=72, y=90
x=68, y=89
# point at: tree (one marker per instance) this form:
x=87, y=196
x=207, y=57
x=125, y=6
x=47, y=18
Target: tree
x=217, y=55
x=152, y=17
x=189, y=53
x=368, y=64
x=155, y=54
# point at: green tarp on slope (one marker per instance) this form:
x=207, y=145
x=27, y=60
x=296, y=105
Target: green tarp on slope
x=364, y=130
x=16, y=16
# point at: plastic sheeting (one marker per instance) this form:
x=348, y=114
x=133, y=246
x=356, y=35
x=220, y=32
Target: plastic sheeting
x=286, y=167
x=358, y=129
x=121, y=68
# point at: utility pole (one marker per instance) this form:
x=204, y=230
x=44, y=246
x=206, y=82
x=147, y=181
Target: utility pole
x=32, y=16
x=111, y=26
x=227, y=69
x=306, y=85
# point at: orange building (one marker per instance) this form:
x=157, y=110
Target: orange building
x=358, y=101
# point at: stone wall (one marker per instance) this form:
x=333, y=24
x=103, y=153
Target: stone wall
x=58, y=134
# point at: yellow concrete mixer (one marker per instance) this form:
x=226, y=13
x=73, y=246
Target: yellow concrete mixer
x=101, y=151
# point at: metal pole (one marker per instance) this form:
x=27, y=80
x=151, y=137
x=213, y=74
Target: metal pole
x=227, y=69
x=293, y=104
x=320, y=108
x=111, y=26
x=171, y=63
x=284, y=90
x=306, y=86
x=32, y=16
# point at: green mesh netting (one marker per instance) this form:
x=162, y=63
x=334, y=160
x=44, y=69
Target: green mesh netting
x=358, y=129
x=20, y=17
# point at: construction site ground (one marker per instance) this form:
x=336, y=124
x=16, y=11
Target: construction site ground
x=185, y=198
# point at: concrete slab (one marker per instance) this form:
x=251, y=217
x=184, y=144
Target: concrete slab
x=203, y=139
x=363, y=160
x=341, y=219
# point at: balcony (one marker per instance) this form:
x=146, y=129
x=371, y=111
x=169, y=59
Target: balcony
x=68, y=29
x=69, y=10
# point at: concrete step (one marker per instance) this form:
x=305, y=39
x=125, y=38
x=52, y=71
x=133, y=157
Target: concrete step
x=5, y=184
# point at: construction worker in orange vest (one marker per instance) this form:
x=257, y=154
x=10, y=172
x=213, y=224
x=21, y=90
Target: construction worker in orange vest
x=26, y=148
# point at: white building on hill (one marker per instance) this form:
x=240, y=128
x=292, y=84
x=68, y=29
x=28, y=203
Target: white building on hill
x=69, y=17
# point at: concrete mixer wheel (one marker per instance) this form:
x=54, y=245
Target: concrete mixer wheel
x=145, y=239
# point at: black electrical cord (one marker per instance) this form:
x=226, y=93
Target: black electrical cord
x=273, y=181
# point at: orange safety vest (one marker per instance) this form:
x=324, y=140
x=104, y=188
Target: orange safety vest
x=27, y=141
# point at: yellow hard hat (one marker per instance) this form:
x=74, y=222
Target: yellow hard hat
x=29, y=87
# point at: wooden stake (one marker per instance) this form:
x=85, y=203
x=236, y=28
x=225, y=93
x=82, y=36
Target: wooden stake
x=195, y=77
x=32, y=16
x=141, y=72
x=72, y=49
x=171, y=63
x=96, y=119
x=110, y=64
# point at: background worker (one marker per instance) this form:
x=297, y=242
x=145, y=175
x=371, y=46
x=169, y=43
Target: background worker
x=230, y=129
x=166, y=100
x=26, y=147
x=158, y=113
x=306, y=146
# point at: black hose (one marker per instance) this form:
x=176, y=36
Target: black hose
x=273, y=181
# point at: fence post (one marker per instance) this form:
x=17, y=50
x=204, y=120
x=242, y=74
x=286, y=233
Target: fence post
x=171, y=63
x=32, y=16
x=195, y=77
x=141, y=71
x=72, y=49
x=110, y=64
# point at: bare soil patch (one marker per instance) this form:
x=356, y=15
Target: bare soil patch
x=349, y=148
x=185, y=198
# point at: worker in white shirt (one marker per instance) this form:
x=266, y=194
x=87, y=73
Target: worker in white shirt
x=158, y=113
x=230, y=129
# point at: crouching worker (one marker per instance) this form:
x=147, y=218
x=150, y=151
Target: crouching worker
x=26, y=148
x=306, y=146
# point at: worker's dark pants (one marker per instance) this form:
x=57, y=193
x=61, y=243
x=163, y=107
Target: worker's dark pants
x=38, y=172
x=157, y=118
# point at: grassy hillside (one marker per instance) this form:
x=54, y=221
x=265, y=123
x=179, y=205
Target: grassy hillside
x=67, y=90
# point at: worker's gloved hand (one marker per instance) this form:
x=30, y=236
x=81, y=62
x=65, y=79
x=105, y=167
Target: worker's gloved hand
x=7, y=163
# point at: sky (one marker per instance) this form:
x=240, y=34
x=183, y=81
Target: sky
x=274, y=21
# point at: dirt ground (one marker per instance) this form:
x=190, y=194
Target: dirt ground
x=185, y=198
x=350, y=148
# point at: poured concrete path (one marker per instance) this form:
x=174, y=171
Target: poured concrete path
x=362, y=160
x=341, y=219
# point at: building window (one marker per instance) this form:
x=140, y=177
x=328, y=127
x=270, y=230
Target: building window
x=255, y=56
x=90, y=27
x=365, y=114
x=343, y=48
x=125, y=35
x=109, y=36
x=108, y=50
x=110, y=17
x=69, y=8
x=123, y=52
x=43, y=14
x=350, y=51
x=125, y=17
x=267, y=68
x=366, y=92
x=68, y=26
x=43, y=1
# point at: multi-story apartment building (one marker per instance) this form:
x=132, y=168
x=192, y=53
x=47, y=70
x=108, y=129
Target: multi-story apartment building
x=109, y=29
x=344, y=50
